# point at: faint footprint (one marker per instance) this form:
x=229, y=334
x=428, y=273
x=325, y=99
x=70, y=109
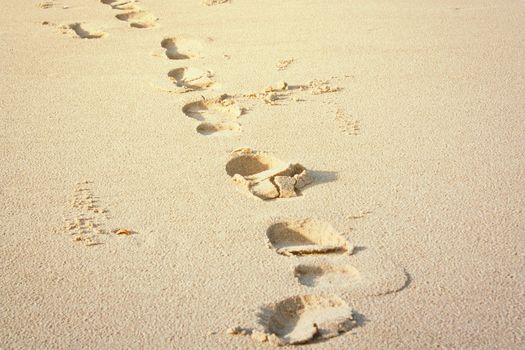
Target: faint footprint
x=222, y=127
x=46, y=4
x=214, y=2
x=301, y=319
x=266, y=176
x=347, y=123
x=327, y=275
x=82, y=33
x=361, y=275
x=138, y=19
x=306, y=236
x=181, y=48
x=186, y=79
x=120, y=5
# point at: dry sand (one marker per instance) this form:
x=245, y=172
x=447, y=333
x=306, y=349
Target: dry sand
x=121, y=225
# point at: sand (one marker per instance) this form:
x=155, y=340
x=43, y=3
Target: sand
x=122, y=226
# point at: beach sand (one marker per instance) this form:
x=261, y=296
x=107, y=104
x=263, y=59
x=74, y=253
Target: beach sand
x=345, y=174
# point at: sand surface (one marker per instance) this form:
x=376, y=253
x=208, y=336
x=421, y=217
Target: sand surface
x=407, y=115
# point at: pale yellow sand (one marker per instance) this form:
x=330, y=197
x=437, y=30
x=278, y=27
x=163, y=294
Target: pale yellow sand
x=417, y=160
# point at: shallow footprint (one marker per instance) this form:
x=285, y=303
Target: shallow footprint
x=222, y=128
x=327, y=275
x=83, y=33
x=191, y=79
x=120, y=5
x=138, y=19
x=213, y=110
x=181, y=48
x=306, y=236
x=266, y=176
x=301, y=319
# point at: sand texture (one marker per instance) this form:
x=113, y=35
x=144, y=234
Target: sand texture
x=241, y=174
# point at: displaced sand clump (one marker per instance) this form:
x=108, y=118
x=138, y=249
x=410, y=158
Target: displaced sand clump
x=306, y=236
x=265, y=176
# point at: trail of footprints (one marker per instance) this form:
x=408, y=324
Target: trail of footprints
x=133, y=14
x=321, y=251
x=304, y=318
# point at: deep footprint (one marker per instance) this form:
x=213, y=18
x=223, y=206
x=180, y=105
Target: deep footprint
x=85, y=34
x=301, y=319
x=265, y=176
x=306, y=236
x=181, y=48
x=327, y=275
x=138, y=19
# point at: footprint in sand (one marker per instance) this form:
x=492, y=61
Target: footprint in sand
x=83, y=33
x=181, y=48
x=301, y=319
x=85, y=220
x=306, y=236
x=265, y=176
x=217, y=115
x=138, y=19
x=327, y=275
x=186, y=79
x=362, y=275
x=120, y=5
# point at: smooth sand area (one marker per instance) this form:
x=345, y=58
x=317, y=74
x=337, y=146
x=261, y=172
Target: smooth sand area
x=315, y=174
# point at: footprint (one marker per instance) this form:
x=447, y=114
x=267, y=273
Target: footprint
x=85, y=34
x=301, y=319
x=212, y=128
x=214, y=2
x=215, y=109
x=191, y=79
x=120, y=5
x=218, y=116
x=181, y=48
x=327, y=275
x=45, y=5
x=138, y=19
x=265, y=176
x=307, y=236
x=185, y=79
